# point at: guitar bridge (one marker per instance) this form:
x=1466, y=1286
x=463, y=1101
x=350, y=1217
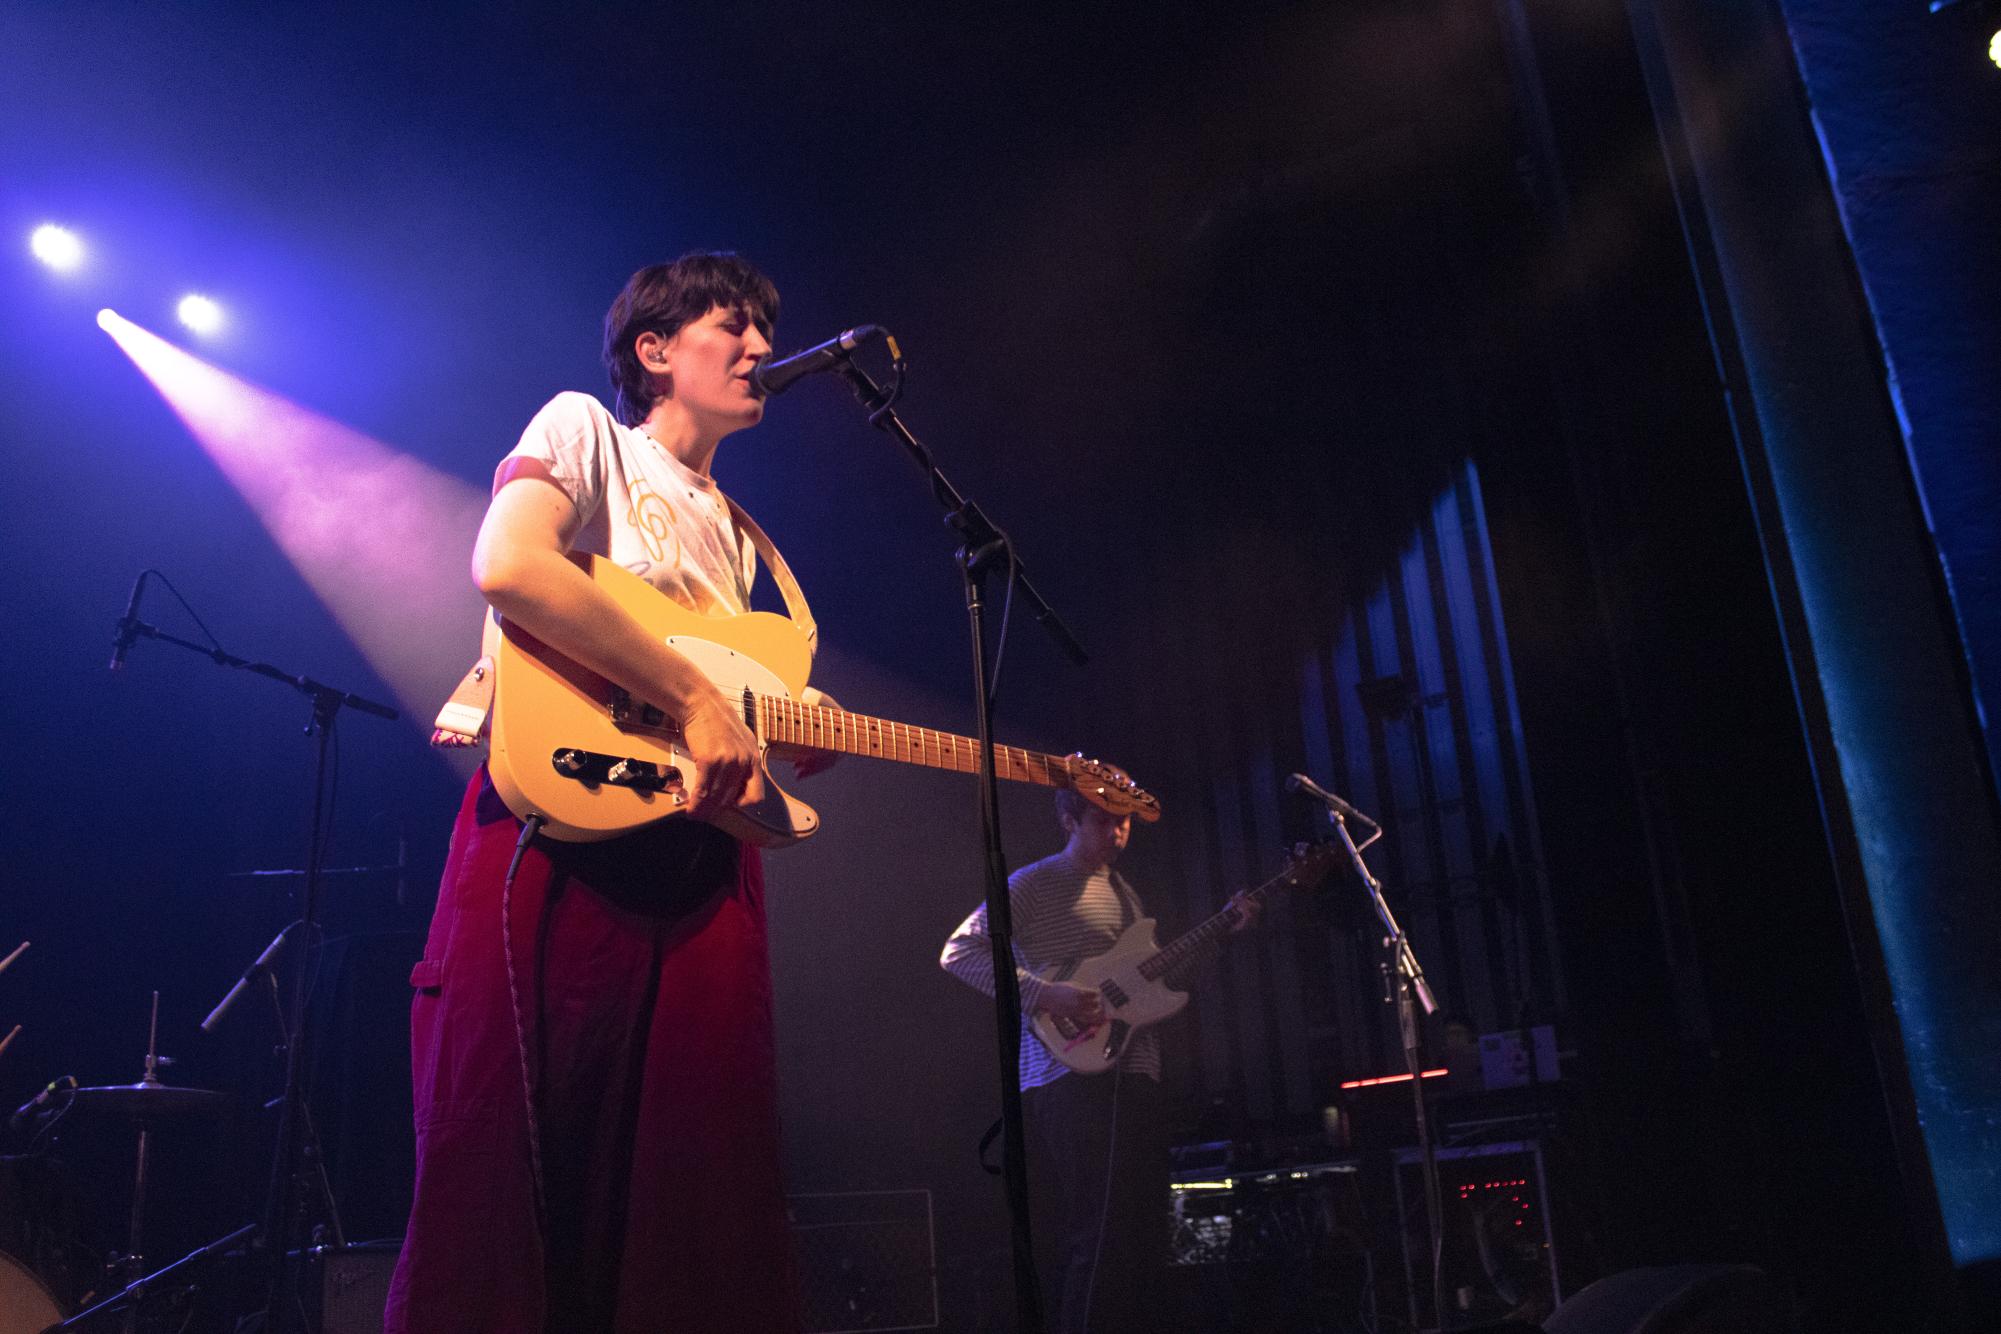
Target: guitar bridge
x=592, y=769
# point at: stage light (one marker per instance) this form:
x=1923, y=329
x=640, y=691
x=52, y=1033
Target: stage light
x=1975, y=11
x=106, y=318
x=57, y=247
x=200, y=314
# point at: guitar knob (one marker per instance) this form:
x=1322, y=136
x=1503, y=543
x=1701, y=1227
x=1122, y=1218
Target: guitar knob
x=570, y=761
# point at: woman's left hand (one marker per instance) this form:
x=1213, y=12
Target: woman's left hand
x=806, y=763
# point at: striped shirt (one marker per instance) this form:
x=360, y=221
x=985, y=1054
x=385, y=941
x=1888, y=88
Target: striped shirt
x=1064, y=913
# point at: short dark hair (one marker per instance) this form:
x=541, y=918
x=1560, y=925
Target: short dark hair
x=1071, y=804
x=663, y=297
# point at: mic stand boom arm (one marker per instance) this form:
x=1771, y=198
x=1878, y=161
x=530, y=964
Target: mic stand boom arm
x=982, y=544
x=325, y=697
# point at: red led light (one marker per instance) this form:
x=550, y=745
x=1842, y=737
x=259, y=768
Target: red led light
x=1390, y=1079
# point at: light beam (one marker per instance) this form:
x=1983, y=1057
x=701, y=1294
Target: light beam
x=381, y=538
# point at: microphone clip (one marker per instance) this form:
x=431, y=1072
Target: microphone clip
x=1335, y=805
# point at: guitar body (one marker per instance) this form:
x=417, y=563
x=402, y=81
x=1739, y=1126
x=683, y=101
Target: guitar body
x=1131, y=999
x=547, y=707
x=592, y=762
x=1130, y=976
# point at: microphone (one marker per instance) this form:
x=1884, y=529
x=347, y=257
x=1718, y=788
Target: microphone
x=27, y=1111
x=250, y=975
x=121, y=643
x=775, y=377
x=1301, y=783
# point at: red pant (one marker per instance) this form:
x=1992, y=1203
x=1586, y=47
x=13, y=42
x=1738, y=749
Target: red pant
x=645, y=1004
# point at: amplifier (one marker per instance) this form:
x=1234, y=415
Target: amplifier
x=1272, y=1248
x=1280, y=1213
x=354, y=1286
x=867, y=1260
x=1500, y=1254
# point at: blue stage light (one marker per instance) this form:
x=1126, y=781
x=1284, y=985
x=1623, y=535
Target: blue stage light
x=200, y=314
x=57, y=247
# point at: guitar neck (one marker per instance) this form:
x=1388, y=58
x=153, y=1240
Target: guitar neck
x=1196, y=944
x=787, y=722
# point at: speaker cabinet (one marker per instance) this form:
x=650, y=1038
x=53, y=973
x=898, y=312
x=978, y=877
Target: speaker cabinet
x=867, y=1260
x=1677, y=1299
x=354, y=1287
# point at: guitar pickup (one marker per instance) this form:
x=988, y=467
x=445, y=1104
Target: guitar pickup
x=629, y=712
x=595, y=770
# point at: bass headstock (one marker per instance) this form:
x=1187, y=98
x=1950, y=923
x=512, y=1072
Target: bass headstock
x=1109, y=788
x=1308, y=864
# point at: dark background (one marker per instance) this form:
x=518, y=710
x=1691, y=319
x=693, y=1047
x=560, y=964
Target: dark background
x=1208, y=308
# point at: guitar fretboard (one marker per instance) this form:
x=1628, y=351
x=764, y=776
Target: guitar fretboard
x=787, y=722
x=1191, y=948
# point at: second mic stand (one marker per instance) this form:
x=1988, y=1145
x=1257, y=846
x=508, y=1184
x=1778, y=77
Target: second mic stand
x=274, y=1235
x=981, y=546
x=1406, y=988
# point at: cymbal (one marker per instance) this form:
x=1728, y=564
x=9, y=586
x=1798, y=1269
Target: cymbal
x=143, y=1100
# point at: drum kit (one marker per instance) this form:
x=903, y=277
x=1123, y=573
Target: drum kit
x=27, y=1305
x=124, y=1295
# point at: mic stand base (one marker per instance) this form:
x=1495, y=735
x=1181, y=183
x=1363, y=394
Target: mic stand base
x=1434, y=1203
x=134, y=1294
x=1007, y=992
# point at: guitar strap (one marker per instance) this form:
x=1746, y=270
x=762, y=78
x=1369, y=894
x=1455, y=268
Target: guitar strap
x=1127, y=899
x=781, y=574
x=462, y=720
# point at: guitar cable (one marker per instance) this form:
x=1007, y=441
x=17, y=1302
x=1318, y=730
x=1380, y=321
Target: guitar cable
x=1105, y=1203
x=529, y=828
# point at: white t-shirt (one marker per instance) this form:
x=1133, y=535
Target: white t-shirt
x=638, y=505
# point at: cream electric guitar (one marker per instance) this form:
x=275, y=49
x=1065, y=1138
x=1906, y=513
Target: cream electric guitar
x=593, y=762
x=1137, y=979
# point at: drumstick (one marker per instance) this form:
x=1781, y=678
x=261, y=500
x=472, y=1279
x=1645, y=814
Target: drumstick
x=19, y=950
x=4, y=1042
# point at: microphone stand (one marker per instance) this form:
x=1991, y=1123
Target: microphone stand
x=981, y=545
x=1406, y=988
x=274, y=1233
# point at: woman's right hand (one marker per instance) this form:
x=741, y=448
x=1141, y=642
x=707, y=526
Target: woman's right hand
x=725, y=756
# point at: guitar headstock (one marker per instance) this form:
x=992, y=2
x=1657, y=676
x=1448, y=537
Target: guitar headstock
x=1108, y=787
x=1309, y=864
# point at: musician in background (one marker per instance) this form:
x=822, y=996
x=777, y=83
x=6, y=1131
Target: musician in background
x=1097, y=1144
x=595, y=1086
